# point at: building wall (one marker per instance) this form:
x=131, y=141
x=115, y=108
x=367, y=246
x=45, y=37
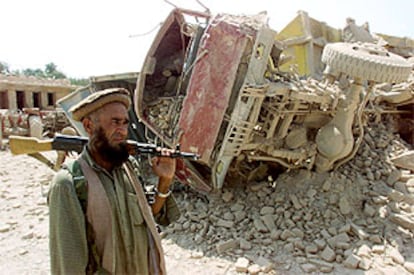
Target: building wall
x=45, y=88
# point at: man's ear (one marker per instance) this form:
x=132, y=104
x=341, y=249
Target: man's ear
x=88, y=125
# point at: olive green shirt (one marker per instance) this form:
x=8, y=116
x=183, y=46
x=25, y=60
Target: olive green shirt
x=68, y=241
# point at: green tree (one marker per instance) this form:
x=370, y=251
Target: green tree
x=79, y=81
x=52, y=72
x=4, y=68
x=33, y=72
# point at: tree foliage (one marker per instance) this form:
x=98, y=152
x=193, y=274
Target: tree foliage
x=4, y=68
x=50, y=71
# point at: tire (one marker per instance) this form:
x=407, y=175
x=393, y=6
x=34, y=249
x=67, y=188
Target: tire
x=366, y=61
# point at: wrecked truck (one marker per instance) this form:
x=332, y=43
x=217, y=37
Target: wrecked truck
x=213, y=84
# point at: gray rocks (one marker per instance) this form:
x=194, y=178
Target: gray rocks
x=328, y=254
x=403, y=220
x=227, y=245
x=241, y=264
x=344, y=206
x=352, y=261
x=358, y=217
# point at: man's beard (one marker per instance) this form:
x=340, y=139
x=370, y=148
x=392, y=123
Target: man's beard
x=113, y=154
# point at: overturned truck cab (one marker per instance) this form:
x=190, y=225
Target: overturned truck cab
x=212, y=84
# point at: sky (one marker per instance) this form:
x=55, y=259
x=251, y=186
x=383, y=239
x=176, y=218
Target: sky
x=97, y=37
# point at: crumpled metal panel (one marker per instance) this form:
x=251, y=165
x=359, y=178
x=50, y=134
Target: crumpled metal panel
x=210, y=87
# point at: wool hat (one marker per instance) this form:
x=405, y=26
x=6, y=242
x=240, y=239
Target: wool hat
x=97, y=100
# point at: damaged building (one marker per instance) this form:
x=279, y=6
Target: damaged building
x=19, y=92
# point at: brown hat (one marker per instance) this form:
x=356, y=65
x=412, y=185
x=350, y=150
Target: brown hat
x=98, y=100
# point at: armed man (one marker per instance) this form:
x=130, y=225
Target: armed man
x=100, y=220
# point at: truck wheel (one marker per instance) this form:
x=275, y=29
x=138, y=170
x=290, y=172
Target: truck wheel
x=366, y=61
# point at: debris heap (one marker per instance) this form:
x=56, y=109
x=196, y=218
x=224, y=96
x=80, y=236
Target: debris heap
x=360, y=216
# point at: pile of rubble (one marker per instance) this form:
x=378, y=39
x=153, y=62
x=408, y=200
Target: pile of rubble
x=360, y=216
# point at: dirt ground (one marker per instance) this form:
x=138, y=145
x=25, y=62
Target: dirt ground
x=358, y=220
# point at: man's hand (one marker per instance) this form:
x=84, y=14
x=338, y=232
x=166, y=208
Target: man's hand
x=164, y=167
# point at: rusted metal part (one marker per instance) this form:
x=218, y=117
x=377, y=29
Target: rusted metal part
x=210, y=87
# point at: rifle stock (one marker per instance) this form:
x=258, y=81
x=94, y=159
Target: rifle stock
x=30, y=145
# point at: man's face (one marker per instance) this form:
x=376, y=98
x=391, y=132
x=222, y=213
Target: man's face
x=110, y=130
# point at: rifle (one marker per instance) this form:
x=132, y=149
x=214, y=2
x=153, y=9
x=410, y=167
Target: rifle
x=30, y=145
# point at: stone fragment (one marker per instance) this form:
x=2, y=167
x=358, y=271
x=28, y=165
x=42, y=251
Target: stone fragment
x=23, y=252
x=227, y=245
x=344, y=206
x=275, y=234
x=258, y=186
x=328, y=254
x=269, y=221
x=237, y=207
x=402, y=220
x=309, y=268
x=401, y=187
x=311, y=248
x=409, y=199
x=267, y=210
x=364, y=251
x=326, y=269
x=332, y=230
x=359, y=231
x=365, y=263
x=409, y=266
x=298, y=233
x=352, y=261
x=245, y=245
x=395, y=255
x=242, y=264
x=394, y=176
x=254, y=269
x=227, y=196
x=396, y=196
x=224, y=223
x=267, y=241
x=289, y=247
x=264, y=264
x=340, y=238
x=380, y=200
x=342, y=245
x=28, y=235
x=378, y=249
x=369, y=210
x=325, y=234
x=260, y=226
x=311, y=193
x=295, y=201
x=405, y=160
x=228, y=216
x=326, y=186
x=239, y=216
x=299, y=244
x=320, y=243
x=286, y=234
x=322, y=264
x=4, y=228
x=197, y=255
x=346, y=228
